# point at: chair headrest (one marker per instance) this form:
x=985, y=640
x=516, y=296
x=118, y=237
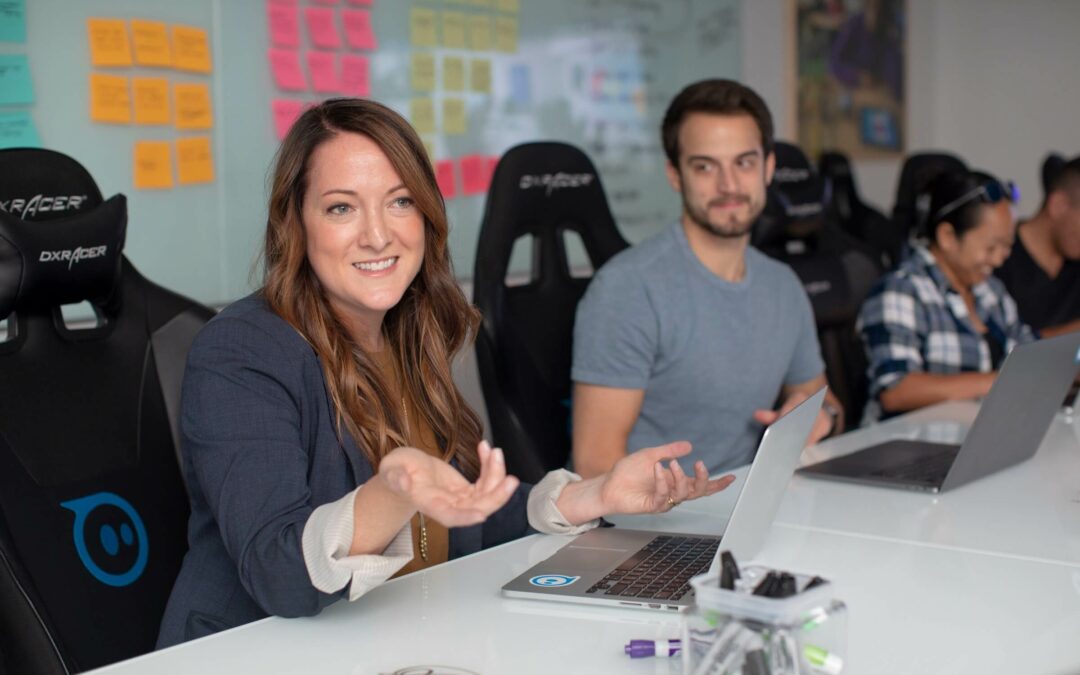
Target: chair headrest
x=802, y=191
x=921, y=168
x=59, y=242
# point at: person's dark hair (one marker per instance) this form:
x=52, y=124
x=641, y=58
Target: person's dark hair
x=945, y=189
x=716, y=97
x=430, y=324
x=1051, y=166
x=1059, y=174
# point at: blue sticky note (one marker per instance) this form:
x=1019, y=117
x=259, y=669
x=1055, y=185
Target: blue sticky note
x=519, y=84
x=15, y=84
x=12, y=20
x=17, y=130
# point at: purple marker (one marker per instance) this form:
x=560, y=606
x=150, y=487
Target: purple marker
x=637, y=649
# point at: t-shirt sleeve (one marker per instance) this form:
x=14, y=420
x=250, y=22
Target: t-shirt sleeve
x=806, y=362
x=616, y=333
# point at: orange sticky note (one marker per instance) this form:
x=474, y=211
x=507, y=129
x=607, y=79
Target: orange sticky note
x=109, y=99
x=151, y=97
x=109, y=44
x=194, y=160
x=355, y=75
x=151, y=41
x=285, y=112
x=192, y=103
x=323, y=69
x=153, y=164
x=191, y=49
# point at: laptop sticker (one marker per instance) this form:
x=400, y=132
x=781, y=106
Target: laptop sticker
x=552, y=580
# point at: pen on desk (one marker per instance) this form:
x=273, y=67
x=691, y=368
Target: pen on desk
x=823, y=660
x=729, y=571
x=637, y=649
x=813, y=583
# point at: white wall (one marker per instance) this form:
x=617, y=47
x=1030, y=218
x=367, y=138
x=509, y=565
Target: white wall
x=996, y=81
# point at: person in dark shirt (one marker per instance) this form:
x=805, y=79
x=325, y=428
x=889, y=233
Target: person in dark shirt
x=1043, y=272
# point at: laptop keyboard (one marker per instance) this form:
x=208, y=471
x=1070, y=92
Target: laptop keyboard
x=929, y=469
x=661, y=569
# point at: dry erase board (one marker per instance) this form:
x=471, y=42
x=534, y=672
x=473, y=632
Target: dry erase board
x=209, y=82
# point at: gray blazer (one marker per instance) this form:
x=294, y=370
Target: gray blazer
x=260, y=453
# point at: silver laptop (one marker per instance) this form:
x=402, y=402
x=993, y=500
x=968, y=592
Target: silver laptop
x=1012, y=421
x=640, y=568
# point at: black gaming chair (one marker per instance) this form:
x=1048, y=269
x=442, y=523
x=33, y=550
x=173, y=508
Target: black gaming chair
x=93, y=511
x=912, y=202
x=854, y=216
x=542, y=191
x=836, y=270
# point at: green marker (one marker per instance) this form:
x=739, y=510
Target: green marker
x=822, y=660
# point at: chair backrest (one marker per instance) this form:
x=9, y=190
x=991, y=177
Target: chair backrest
x=909, y=209
x=540, y=191
x=93, y=510
x=855, y=216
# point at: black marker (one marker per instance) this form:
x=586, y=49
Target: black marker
x=729, y=571
x=767, y=587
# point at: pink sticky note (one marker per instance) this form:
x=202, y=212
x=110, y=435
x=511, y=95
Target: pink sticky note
x=323, y=69
x=360, y=2
x=327, y=2
x=285, y=113
x=474, y=175
x=321, y=27
x=355, y=75
x=285, y=65
x=358, y=29
x=284, y=23
x=444, y=174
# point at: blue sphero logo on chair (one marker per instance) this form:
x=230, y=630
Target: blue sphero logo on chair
x=110, y=538
x=552, y=580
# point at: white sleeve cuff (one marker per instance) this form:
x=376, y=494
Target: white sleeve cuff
x=326, y=541
x=543, y=514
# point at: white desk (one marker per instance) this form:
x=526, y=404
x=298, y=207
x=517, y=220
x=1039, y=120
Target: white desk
x=920, y=600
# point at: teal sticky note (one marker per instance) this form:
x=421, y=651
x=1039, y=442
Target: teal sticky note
x=12, y=20
x=15, y=84
x=17, y=130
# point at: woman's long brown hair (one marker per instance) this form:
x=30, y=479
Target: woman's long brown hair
x=430, y=324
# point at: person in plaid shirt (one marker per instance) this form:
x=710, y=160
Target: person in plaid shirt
x=938, y=327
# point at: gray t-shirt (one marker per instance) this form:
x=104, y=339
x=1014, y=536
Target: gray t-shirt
x=707, y=352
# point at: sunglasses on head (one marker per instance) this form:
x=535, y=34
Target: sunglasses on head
x=990, y=192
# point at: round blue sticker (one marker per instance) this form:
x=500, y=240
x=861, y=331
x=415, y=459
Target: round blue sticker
x=552, y=580
x=121, y=536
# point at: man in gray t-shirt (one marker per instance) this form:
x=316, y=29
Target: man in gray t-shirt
x=692, y=334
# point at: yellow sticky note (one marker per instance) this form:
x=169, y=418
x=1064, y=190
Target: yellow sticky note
x=453, y=73
x=422, y=31
x=192, y=103
x=109, y=44
x=153, y=164
x=479, y=32
x=191, y=49
x=109, y=99
x=422, y=115
x=151, y=98
x=506, y=34
x=481, y=3
x=480, y=75
x=423, y=71
x=151, y=41
x=429, y=148
x=453, y=30
x=194, y=160
x=507, y=5
x=453, y=113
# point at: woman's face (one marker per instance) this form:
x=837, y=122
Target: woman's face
x=365, y=235
x=975, y=255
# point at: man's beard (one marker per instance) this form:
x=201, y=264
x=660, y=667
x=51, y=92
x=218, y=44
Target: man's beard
x=732, y=229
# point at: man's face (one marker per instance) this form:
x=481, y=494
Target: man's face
x=1065, y=213
x=722, y=173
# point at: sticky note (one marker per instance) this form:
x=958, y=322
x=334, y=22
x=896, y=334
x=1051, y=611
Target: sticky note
x=17, y=130
x=327, y=2
x=480, y=75
x=284, y=24
x=285, y=67
x=109, y=99
x=429, y=150
x=423, y=71
x=422, y=31
x=453, y=30
x=454, y=122
x=322, y=66
x=194, y=160
x=191, y=49
x=506, y=34
x=13, y=21
x=473, y=174
x=366, y=3
x=193, y=110
x=358, y=31
x=153, y=164
x=444, y=176
x=422, y=115
x=507, y=5
x=520, y=91
x=322, y=29
x=15, y=83
x=453, y=72
x=151, y=42
x=355, y=75
x=109, y=44
x=151, y=98
x=285, y=112
x=481, y=3
x=480, y=32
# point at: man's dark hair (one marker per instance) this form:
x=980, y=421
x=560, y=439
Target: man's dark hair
x=716, y=97
x=1064, y=176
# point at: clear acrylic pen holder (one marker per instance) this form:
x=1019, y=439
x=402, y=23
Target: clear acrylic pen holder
x=735, y=631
